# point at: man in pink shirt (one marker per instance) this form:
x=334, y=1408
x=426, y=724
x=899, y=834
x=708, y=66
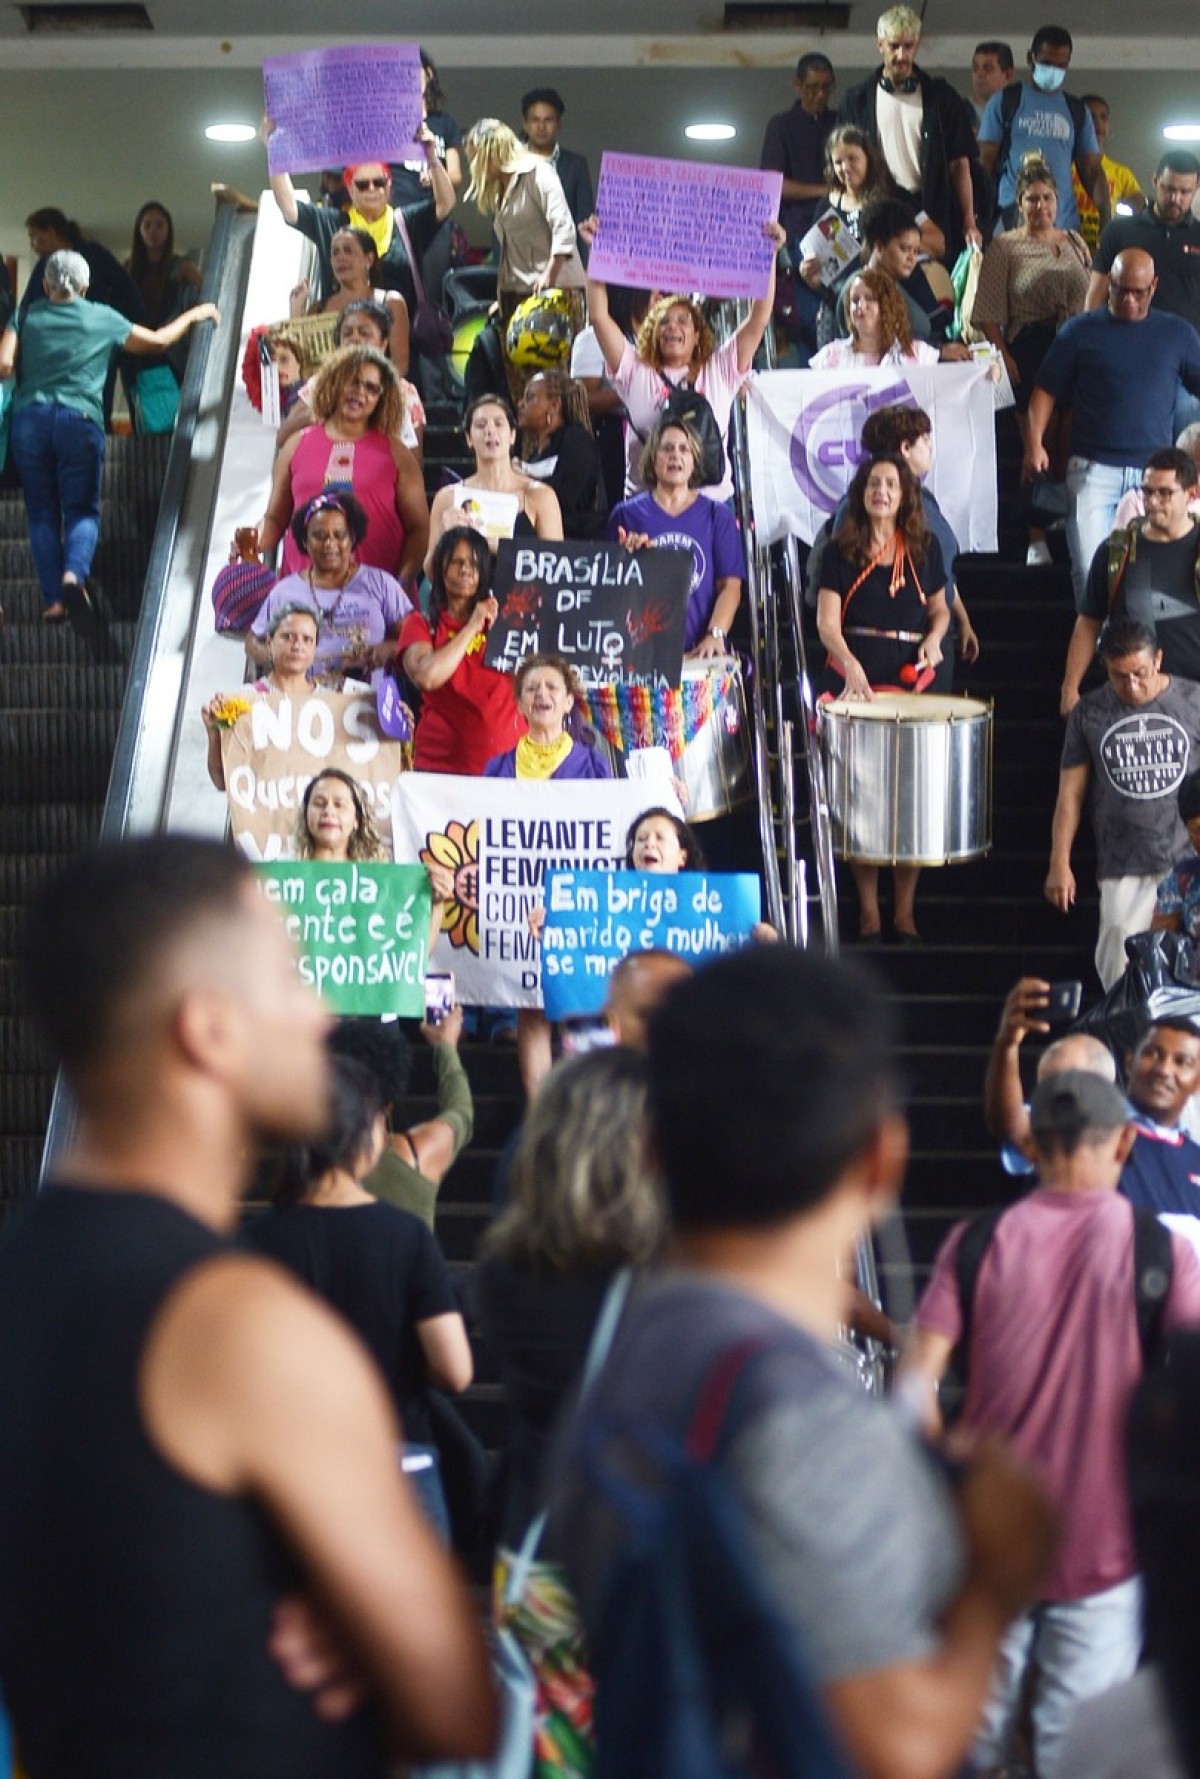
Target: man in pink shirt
x=1054, y=1354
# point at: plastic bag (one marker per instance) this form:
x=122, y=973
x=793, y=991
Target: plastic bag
x=965, y=278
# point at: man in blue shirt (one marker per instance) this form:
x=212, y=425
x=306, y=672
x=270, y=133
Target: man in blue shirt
x=1038, y=116
x=1119, y=368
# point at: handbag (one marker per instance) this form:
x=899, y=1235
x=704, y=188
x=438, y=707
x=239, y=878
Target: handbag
x=516, y=1682
x=155, y=399
x=239, y=592
x=430, y=330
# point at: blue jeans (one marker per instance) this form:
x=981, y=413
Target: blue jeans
x=1095, y=490
x=1078, y=1648
x=59, y=456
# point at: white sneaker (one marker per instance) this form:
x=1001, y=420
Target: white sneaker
x=1038, y=555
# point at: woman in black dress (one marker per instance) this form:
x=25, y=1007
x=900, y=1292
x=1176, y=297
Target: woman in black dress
x=882, y=614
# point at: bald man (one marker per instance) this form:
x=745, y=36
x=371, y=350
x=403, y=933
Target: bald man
x=1005, y=1107
x=1119, y=369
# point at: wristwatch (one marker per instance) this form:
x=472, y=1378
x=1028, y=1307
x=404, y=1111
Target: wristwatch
x=717, y=634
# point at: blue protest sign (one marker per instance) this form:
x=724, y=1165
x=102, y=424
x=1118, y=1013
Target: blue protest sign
x=594, y=918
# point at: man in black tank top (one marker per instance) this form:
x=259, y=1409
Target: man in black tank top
x=188, y=1440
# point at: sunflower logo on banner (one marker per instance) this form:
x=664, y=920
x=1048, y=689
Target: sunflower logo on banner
x=457, y=849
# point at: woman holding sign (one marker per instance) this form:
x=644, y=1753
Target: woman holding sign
x=882, y=615
x=546, y=694
x=397, y=233
x=673, y=514
x=468, y=711
x=675, y=347
x=292, y=641
x=496, y=499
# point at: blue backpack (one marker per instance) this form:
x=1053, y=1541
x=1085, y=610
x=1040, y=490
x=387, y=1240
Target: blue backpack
x=698, y=1674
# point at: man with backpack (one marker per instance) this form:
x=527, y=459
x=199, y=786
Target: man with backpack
x=1036, y=116
x=1148, y=570
x=1056, y=1305
x=809, y=1543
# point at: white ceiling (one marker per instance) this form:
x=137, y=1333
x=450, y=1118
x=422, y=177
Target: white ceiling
x=96, y=125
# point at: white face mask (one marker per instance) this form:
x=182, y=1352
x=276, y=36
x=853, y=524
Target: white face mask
x=1046, y=78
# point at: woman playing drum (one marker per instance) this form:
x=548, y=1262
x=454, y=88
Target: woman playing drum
x=882, y=614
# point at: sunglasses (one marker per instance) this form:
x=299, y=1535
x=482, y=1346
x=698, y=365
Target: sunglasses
x=371, y=184
x=367, y=388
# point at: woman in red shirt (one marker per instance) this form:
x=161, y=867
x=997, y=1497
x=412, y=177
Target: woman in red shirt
x=468, y=711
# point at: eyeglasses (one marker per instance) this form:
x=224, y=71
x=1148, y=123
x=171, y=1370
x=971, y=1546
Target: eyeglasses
x=371, y=184
x=366, y=388
x=1160, y=493
x=1138, y=293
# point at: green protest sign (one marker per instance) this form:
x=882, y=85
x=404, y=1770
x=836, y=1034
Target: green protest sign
x=362, y=931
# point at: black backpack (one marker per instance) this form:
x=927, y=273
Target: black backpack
x=688, y=406
x=1153, y=1268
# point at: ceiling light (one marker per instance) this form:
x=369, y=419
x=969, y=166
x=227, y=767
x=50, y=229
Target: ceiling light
x=1182, y=132
x=231, y=132
x=710, y=132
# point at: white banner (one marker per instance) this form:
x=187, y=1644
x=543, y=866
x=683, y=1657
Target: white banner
x=805, y=428
x=499, y=837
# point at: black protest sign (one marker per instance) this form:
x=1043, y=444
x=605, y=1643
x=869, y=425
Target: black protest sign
x=615, y=615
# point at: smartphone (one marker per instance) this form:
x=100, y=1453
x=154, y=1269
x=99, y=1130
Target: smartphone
x=578, y=1036
x=439, y=996
x=1063, y=1002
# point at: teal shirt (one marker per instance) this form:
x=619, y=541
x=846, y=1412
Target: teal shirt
x=65, y=353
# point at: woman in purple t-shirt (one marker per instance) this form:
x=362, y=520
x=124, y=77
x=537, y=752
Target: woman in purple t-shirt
x=674, y=514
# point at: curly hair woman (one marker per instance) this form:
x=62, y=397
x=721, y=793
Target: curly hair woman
x=357, y=407
x=879, y=328
x=675, y=345
x=882, y=609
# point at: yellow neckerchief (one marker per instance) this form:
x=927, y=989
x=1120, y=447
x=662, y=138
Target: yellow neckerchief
x=541, y=759
x=380, y=231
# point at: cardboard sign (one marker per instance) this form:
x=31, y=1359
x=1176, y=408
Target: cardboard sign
x=595, y=918
x=276, y=748
x=337, y=107
x=684, y=226
x=804, y=432
x=362, y=931
x=616, y=616
x=499, y=837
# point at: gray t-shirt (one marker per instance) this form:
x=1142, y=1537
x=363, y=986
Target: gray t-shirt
x=1139, y=756
x=852, y=1520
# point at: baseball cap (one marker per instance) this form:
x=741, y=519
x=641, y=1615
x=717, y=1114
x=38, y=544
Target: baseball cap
x=1076, y=1101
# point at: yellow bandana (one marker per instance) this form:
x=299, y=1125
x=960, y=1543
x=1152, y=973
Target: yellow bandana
x=380, y=231
x=541, y=759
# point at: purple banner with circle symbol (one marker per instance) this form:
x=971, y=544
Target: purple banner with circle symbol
x=684, y=226
x=338, y=107
x=804, y=431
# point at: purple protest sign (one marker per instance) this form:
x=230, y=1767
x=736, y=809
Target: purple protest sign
x=333, y=107
x=684, y=225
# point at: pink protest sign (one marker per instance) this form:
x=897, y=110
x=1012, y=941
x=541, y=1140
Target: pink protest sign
x=684, y=225
x=333, y=107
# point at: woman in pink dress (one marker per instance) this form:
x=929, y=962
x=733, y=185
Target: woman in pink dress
x=356, y=403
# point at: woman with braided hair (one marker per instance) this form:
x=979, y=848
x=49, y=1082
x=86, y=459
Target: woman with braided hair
x=558, y=448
